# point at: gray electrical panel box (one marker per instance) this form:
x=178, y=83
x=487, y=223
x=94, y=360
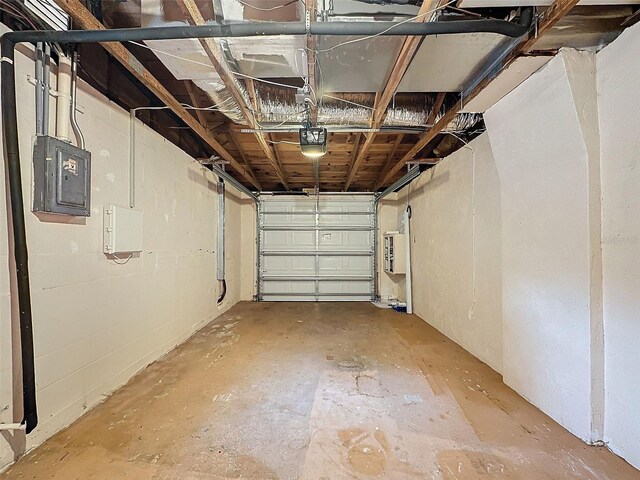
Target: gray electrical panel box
x=62, y=178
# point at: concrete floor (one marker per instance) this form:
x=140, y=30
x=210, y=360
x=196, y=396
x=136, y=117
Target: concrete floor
x=317, y=391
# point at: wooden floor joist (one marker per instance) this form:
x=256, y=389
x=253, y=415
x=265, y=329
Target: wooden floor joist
x=193, y=16
x=84, y=19
x=550, y=17
x=384, y=97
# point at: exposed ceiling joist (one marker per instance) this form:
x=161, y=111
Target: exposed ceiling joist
x=551, y=16
x=383, y=99
x=191, y=90
x=264, y=140
x=193, y=15
x=84, y=19
x=437, y=106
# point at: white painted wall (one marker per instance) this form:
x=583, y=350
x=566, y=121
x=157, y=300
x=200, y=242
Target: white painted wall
x=97, y=323
x=543, y=159
x=556, y=240
x=619, y=106
x=456, y=257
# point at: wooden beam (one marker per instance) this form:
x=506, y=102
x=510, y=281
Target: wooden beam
x=233, y=141
x=193, y=15
x=437, y=106
x=389, y=162
x=264, y=140
x=191, y=90
x=84, y=19
x=354, y=153
x=193, y=95
x=384, y=97
x=551, y=16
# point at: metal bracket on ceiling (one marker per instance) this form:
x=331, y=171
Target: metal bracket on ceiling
x=307, y=21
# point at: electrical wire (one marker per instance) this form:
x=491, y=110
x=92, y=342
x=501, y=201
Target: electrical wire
x=113, y=259
x=208, y=65
x=369, y=37
x=268, y=9
x=282, y=141
x=15, y=11
x=348, y=101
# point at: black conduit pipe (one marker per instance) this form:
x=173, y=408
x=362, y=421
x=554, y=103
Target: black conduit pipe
x=12, y=167
x=10, y=121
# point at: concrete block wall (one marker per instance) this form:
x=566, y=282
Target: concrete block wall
x=526, y=249
x=97, y=323
x=455, y=254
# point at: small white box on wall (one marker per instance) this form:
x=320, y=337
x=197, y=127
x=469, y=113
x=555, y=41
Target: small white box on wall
x=122, y=230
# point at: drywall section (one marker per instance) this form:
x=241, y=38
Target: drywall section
x=96, y=322
x=544, y=151
x=455, y=245
x=619, y=107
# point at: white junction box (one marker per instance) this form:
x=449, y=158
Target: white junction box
x=122, y=230
x=395, y=253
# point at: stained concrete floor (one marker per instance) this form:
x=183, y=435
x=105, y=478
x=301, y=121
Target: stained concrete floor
x=317, y=391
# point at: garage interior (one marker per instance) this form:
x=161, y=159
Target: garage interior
x=320, y=239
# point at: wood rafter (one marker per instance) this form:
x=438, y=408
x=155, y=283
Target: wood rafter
x=551, y=16
x=84, y=19
x=193, y=95
x=437, y=106
x=233, y=141
x=193, y=15
x=383, y=99
x=389, y=162
x=191, y=90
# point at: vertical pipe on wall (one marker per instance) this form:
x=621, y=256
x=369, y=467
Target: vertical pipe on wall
x=407, y=237
x=17, y=231
x=74, y=100
x=132, y=158
x=46, y=74
x=220, y=250
x=63, y=110
x=39, y=89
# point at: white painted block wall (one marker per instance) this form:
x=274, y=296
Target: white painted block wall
x=619, y=107
x=543, y=163
x=456, y=253
x=556, y=240
x=97, y=323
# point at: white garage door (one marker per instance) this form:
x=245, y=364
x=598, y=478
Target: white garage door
x=316, y=248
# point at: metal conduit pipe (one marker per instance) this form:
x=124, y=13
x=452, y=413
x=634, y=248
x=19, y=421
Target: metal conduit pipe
x=10, y=118
x=74, y=101
x=46, y=89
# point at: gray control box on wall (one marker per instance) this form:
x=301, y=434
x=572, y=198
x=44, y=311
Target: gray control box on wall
x=62, y=178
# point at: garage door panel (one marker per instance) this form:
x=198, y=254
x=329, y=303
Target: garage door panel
x=343, y=265
x=316, y=248
x=284, y=265
x=284, y=241
x=349, y=241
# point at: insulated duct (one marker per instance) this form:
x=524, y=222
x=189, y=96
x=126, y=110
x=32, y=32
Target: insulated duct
x=10, y=118
x=408, y=110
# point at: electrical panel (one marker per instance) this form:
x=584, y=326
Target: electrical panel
x=62, y=178
x=122, y=230
x=395, y=253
